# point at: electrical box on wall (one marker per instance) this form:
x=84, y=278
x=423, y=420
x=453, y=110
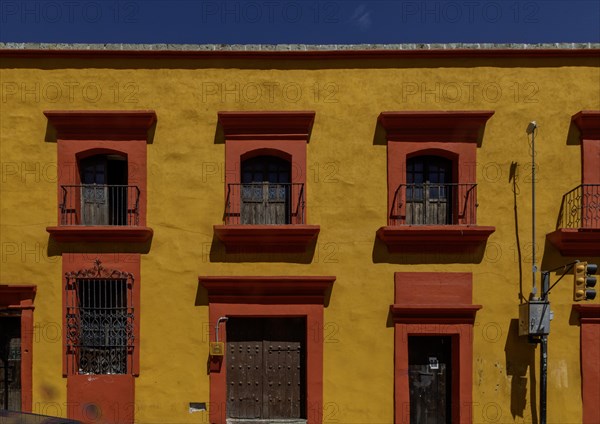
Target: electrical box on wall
x=217, y=349
x=534, y=318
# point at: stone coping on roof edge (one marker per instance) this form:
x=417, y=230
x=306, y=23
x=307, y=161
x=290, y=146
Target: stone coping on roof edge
x=297, y=47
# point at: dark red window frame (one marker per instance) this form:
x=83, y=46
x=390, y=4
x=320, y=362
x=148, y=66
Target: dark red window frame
x=82, y=134
x=281, y=134
x=454, y=135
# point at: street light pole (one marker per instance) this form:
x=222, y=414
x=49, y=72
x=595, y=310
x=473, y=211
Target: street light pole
x=531, y=130
x=543, y=340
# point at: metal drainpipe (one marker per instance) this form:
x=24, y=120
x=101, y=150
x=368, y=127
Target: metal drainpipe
x=221, y=319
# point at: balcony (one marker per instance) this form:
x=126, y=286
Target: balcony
x=432, y=217
x=434, y=204
x=264, y=204
x=265, y=218
x=99, y=212
x=578, y=226
x=98, y=204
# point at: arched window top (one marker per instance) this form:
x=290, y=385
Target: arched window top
x=428, y=169
x=266, y=168
x=266, y=152
x=108, y=169
x=447, y=154
x=102, y=152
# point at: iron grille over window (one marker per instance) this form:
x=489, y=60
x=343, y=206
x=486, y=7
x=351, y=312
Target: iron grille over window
x=100, y=321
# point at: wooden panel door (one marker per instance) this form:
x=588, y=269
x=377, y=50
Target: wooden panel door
x=265, y=203
x=265, y=191
x=428, y=191
x=94, y=192
x=283, y=374
x=429, y=368
x=104, y=191
x=265, y=368
x=244, y=368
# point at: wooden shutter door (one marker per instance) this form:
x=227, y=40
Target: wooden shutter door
x=94, y=192
x=265, y=191
x=428, y=191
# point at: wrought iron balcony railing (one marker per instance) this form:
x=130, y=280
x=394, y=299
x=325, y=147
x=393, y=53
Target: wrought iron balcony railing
x=264, y=204
x=434, y=204
x=99, y=204
x=580, y=207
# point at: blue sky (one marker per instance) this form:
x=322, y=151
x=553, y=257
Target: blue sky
x=299, y=21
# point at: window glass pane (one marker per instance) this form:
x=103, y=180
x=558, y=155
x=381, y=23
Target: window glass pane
x=88, y=176
x=100, y=178
x=267, y=169
x=246, y=177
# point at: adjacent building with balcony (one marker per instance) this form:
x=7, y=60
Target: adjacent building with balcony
x=298, y=236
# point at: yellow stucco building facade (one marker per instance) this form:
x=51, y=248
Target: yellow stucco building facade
x=365, y=207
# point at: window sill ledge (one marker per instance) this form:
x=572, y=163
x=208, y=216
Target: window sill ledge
x=576, y=241
x=434, y=238
x=266, y=238
x=79, y=233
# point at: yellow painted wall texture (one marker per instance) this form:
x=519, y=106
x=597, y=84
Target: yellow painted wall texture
x=346, y=197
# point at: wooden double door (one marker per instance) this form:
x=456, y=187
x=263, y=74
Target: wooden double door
x=266, y=191
x=266, y=368
x=429, y=191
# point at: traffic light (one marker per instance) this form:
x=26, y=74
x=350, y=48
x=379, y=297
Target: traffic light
x=584, y=281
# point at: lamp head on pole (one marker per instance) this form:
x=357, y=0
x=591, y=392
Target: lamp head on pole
x=531, y=127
